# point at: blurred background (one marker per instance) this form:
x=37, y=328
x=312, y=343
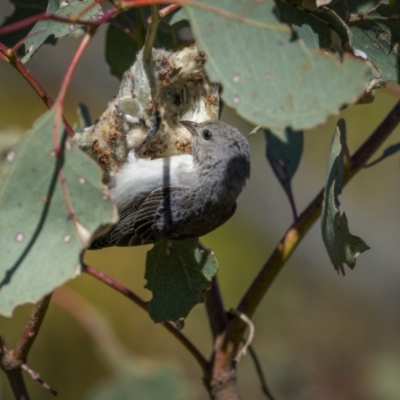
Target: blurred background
x=318, y=335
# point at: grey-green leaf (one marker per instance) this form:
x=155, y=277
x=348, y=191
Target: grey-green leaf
x=45, y=28
x=23, y=9
x=314, y=32
x=269, y=78
x=178, y=273
x=378, y=35
x=342, y=246
x=43, y=228
x=284, y=150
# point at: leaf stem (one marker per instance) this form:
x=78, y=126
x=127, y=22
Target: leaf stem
x=151, y=34
x=109, y=281
x=293, y=236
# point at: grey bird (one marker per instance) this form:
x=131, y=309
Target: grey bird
x=180, y=197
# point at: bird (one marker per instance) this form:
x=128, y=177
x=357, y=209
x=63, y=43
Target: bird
x=181, y=196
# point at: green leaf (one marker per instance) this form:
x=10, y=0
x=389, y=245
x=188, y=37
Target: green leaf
x=342, y=246
x=284, y=152
x=178, y=273
x=23, y=9
x=42, y=228
x=314, y=32
x=269, y=78
x=123, y=45
x=46, y=28
x=378, y=35
x=8, y=138
x=387, y=153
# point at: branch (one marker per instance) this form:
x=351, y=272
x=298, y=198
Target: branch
x=215, y=309
x=31, y=330
x=151, y=34
x=13, y=361
x=101, y=276
x=220, y=379
x=255, y=293
x=214, y=305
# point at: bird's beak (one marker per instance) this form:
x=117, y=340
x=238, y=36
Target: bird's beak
x=190, y=126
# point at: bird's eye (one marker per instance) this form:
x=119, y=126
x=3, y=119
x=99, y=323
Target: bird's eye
x=206, y=134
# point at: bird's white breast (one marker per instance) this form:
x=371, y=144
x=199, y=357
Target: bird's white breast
x=140, y=176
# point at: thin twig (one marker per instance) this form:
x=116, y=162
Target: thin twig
x=101, y=276
x=36, y=377
x=31, y=330
x=151, y=34
x=13, y=361
x=168, y=10
x=260, y=373
x=59, y=103
x=293, y=236
x=163, y=12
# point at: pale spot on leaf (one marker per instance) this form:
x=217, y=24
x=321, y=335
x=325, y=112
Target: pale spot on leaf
x=237, y=78
x=19, y=237
x=11, y=156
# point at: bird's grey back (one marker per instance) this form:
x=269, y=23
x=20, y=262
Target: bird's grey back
x=223, y=166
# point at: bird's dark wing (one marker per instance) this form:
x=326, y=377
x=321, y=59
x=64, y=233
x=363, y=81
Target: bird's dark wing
x=137, y=222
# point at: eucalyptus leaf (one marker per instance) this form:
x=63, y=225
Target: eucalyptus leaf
x=314, y=32
x=377, y=34
x=44, y=227
x=284, y=152
x=124, y=38
x=178, y=273
x=22, y=9
x=45, y=29
x=342, y=246
x=270, y=78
